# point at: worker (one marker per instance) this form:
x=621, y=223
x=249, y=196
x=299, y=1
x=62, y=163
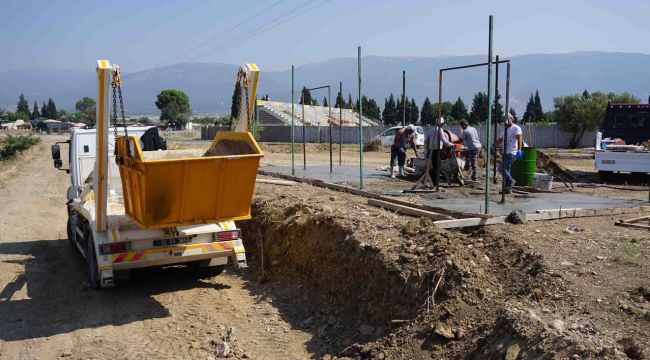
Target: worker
x=434, y=142
x=404, y=138
x=514, y=143
x=472, y=142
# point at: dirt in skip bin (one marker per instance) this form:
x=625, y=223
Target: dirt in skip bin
x=230, y=147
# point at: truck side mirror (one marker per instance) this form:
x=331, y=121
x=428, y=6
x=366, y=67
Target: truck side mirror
x=56, y=156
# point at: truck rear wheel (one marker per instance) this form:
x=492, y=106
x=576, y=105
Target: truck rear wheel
x=91, y=259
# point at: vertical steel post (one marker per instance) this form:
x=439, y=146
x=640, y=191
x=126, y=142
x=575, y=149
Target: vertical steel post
x=304, y=132
x=293, y=141
x=403, y=98
x=487, y=128
x=505, y=133
x=496, y=120
x=360, y=120
x=340, y=125
x=329, y=120
x=438, y=133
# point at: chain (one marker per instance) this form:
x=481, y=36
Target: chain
x=117, y=87
x=247, y=109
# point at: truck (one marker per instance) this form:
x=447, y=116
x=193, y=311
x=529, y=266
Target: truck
x=631, y=124
x=139, y=209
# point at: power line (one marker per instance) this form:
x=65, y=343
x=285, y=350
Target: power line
x=266, y=27
x=227, y=30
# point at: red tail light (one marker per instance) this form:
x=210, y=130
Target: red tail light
x=227, y=235
x=112, y=248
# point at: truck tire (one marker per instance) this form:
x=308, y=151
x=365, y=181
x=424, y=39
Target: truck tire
x=605, y=175
x=72, y=234
x=91, y=259
x=201, y=271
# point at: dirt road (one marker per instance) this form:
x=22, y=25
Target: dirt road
x=47, y=310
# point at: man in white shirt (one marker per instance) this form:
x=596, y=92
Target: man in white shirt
x=513, y=145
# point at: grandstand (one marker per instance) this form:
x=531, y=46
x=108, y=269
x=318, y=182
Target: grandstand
x=275, y=113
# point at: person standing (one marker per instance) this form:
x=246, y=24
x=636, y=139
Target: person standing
x=514, y=143
x=404, y=138
x=435, y=140
x=473, y=144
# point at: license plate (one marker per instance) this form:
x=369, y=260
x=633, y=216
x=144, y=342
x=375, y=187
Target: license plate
x=171, y=242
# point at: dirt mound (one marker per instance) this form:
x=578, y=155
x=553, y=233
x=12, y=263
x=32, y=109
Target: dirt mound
x=398, y=287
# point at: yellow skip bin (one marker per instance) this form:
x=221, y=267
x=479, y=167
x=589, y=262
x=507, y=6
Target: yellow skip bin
x=190, y=186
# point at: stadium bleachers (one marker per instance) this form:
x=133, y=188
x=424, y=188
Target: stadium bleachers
x=279, y=113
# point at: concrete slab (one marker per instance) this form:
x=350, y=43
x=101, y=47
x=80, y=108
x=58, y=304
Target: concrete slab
x=348, y=175
x=529, y=204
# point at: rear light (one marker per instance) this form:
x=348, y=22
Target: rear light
x=112, y=248
x=226, y=235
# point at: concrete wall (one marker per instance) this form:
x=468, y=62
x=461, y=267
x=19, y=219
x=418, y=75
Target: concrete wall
x=537, y=136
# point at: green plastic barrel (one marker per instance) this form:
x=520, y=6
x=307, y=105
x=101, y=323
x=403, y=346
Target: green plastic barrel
x=523, y=170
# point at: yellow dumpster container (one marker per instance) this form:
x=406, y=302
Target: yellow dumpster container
x=185, y=187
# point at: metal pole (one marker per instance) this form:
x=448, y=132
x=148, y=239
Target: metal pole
x=496, y=120
x=341, y=125
x=438, y=133
x=403, y=98
x=505, y=134
x=304, y=132
x=360, y=120
x=487, y=128
x=329, y=120
x=293, y=141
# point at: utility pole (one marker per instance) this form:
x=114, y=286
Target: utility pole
x=403, y=98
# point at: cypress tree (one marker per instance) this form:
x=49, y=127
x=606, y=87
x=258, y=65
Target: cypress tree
x=428, y=115
x=413, y=113
x=51, y=109
x=44, y=111
x=497, y=109
x=35, y=114
x=529, y=114
x=325, y=104
x=22, y=106
x=340, y=101
x=389, y=115
x=306, y=97
x=539, y=112
x=479, y=109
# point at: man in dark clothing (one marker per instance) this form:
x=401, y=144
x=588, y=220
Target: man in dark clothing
x=404, y=138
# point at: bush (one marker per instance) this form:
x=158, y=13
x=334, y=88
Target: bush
x=373, y=145
x=13, y=144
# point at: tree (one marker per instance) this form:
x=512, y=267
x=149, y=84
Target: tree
x=314, y=102
x=497, y=109
x=513, y=114
x=479, y=112
x=585, y=94
x=44, y=110
x=459, y=110
x=305, y=97
x=624, y=98
x=577, y=114
x=23, y=105
x=35, y=114
x=51, y=109
x=350, y=103
x=539, y=113
x=389, y=115
x=428, y=114
x=529, y=114
x=86, y=107
x=236, y=103
x=340, y=101
x=370, y=108
x=413, y=113
x=174, y=106
x=325, y=104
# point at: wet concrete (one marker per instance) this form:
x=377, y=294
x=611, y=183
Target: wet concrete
x=348, y=175
x=529, y=203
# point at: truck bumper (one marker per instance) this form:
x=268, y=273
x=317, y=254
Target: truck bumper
x=179, y=254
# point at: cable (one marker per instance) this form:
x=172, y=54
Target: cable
x=254, y=32
x=226, y=31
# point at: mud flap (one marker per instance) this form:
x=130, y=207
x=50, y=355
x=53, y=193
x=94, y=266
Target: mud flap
x=106, y=278
x=239, y=261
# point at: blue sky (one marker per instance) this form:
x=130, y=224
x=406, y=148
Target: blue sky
x=71, y=34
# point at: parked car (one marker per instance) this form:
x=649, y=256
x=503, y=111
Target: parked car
x=388, y=136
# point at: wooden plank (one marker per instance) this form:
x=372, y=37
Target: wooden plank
x=458, y=223
x=636, y=226
x=275, y=182
x=637, y=219
x=576, y=213
x=407, y=210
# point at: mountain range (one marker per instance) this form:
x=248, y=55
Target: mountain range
x=210, y=85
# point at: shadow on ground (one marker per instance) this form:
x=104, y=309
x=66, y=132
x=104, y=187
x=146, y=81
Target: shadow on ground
x=51, y=295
